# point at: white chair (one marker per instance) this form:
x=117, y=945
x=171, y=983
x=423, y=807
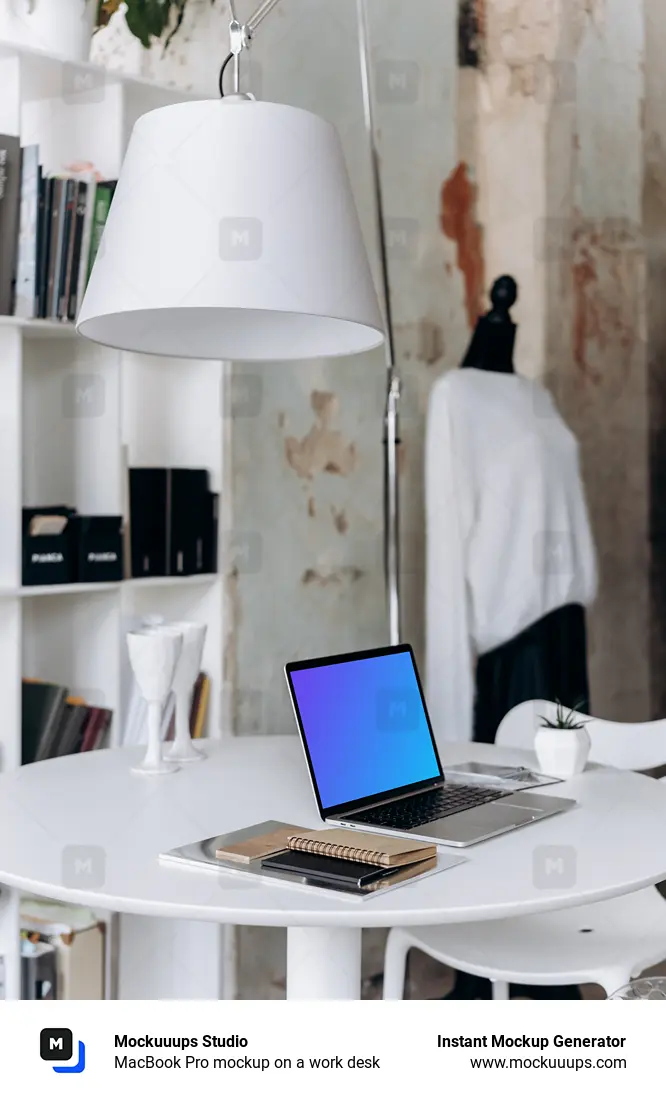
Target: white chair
x=608, y=943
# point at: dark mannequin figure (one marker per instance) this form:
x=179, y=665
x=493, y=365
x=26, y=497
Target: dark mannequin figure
x=491, y=346
x=491, y=349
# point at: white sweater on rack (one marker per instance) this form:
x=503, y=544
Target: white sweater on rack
x=508, y=538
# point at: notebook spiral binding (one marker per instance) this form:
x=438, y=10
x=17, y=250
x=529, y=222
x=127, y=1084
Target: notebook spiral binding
x=335, y=851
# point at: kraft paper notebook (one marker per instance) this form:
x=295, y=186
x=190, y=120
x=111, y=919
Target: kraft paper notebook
x=258, y=847
x=360, y=847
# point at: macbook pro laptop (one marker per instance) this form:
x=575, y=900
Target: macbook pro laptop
x=373, y=760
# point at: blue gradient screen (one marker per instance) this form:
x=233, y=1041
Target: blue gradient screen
x=365, y=727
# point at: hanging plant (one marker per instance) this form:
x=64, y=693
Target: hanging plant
x=148, y=20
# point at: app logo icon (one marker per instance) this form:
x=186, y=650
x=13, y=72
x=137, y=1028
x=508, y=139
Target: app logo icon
x=56, y=1044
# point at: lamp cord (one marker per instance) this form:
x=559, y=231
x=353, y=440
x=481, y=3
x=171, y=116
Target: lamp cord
x=240, y=35
x=226, y=61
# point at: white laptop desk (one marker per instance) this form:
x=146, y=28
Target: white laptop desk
x=613, y=842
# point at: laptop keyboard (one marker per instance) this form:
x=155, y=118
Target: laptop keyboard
x=419, y=809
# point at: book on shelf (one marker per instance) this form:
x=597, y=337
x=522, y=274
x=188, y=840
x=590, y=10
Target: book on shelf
x=103, y=196
x=26, y=264
x=55, y=246
x=42, y=708
x=81, y=265
x=51, y=227
x=65, y=273
x=43, y=243
x=71, y=296
x=54, y=723
x=198, y=709
x=10, y=198
x=95, y=729
x=200, y=697
x=70, y=730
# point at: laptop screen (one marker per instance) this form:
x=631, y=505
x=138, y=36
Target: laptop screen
x=365, y=726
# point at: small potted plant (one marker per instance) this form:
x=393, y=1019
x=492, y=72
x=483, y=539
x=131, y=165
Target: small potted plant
x=562, y=743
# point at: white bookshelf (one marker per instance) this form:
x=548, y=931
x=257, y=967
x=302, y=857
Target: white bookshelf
x=71, y=415
x=39, y=329
x=110, y=586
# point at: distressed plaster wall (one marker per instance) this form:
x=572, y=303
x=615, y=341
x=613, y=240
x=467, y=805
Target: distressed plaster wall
x=560, y=164
x=654, y=226
x=594, y=258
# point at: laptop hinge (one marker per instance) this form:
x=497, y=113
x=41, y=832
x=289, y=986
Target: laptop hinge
x=393, y=798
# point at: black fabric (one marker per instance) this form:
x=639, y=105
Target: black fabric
x=547, y=661
x=491, y=346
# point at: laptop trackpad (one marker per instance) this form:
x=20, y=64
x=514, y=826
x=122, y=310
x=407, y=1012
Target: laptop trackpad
x=481, y=821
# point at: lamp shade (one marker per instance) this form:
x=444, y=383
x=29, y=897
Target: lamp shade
x=233, y=234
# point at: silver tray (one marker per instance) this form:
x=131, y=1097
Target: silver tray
x=200, y=855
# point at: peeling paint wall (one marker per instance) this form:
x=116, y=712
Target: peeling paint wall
x=560, y=192
x=654, y=228
x=593, y=257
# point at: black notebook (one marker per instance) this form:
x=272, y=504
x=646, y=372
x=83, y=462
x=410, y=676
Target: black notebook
x=324, y=869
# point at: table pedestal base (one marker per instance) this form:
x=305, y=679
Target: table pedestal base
x=323, y=964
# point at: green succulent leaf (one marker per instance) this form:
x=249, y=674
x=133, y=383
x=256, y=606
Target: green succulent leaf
x=566, y=718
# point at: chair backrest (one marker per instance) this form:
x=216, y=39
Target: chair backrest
x=637, y=746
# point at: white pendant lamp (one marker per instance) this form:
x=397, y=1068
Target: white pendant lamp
x=233, y=234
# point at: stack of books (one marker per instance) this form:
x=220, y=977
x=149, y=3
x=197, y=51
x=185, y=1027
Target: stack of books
x=338, y=859
x=50, y=231
x=55, y=723
x=353, y=865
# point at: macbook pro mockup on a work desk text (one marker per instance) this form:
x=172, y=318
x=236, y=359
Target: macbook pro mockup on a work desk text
x=373, y=760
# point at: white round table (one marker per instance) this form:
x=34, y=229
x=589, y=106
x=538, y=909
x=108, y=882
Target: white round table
x=90, y=813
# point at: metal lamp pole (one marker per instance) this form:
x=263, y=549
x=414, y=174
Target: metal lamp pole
x=393, y=388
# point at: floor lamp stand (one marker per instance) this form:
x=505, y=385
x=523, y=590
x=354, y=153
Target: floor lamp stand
x=391, y=506
x=393, y=383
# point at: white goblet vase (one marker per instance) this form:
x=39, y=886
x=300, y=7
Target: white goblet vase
x=181, y=749
x=153, y=656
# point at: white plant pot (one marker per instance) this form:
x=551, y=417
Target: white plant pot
x=63, y=27
x=562, y=752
